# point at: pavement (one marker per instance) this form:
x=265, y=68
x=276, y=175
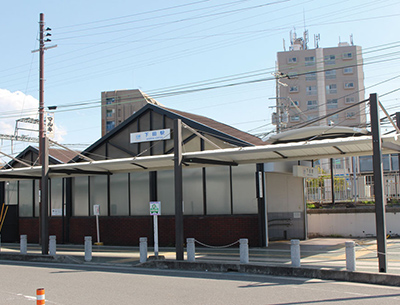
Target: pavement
x=320, y=258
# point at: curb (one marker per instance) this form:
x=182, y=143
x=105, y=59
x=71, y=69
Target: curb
x=312, y=273
x=37, y=258
x=323, y=274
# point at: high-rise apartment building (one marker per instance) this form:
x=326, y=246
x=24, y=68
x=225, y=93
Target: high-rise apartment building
x=118, y=105
x=313, y=83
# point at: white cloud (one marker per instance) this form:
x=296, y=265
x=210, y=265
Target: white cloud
x=16, y=105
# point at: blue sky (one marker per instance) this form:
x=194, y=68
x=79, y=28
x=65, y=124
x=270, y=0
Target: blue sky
x=158, y=46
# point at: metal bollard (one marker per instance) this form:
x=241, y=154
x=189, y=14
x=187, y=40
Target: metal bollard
x=350, y=256
x=52, y=245
x=191, y=251
x=143, y=249
x=23, y=246
x=295, y=252
x=88, y=248
x=244, y=250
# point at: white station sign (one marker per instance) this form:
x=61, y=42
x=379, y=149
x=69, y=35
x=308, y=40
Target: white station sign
x=305, y=171
x=152, y=135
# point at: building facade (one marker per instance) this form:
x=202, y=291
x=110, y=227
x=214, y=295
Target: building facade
x=118, y=105
x=220, y=200
x=314, y=83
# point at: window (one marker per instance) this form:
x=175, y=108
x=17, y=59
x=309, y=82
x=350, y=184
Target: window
x=331, y=89
x=293, y=103
x=310, y=61
x=332, y=104
x=119, y=113
x=311, y=76
x=349, y=85
x=294, y=118
x=350, y=115
x=331, y=74
x=110, y=125
x=350, y=100
x=312, y=105
x=109, y=113
x=293, y=89
x=347, y=55
x=348, y=70
x=329, y=59
x=292, y=60
x=311, y=90
x=109, y=100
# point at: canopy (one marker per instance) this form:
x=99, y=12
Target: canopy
x=306, y=150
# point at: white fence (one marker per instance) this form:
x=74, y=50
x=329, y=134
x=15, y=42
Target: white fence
x=348, y=189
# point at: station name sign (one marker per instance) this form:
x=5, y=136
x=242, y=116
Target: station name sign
x=305, y=171
x=152, y=135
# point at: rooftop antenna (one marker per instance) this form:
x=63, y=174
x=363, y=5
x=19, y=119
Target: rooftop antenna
x=351, y=40
x=293, y=36
x=305, y=35
x=284, y=45
x=305, y=39
x=317, y=38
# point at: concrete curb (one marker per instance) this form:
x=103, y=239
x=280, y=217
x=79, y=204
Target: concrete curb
x=313, y=273
x=38, y=258
x=323, y=274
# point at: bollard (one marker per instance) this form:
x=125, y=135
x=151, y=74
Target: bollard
x=244, y=250
x=191, y=250
x=40, y=297
x=52, y=245
x=350, y=256
x=23, y=244
x=295, y=252
x=88, y=248
x=143, y=249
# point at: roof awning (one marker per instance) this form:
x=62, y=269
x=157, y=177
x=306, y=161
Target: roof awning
x=307, y=150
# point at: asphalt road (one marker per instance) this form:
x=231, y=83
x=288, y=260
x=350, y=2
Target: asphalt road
x=89, y=285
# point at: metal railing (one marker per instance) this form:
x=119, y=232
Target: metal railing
x=348, y=189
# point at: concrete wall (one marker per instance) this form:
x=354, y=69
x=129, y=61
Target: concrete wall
x=360, y=224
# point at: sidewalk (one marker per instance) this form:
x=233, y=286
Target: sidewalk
x=319, y=253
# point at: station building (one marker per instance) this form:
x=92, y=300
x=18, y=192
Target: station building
x=223, y=201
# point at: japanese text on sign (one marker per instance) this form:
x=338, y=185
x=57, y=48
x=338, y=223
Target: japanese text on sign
x=152, y=135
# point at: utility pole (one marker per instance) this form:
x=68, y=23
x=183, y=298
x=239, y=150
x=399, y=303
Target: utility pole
x=43, y=142
x=281, y=108
x=380, y=215
x=278, y=106
x=398, y=155
x=179, y=234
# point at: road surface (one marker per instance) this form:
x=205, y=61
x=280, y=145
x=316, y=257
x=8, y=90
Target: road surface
x=94, y=285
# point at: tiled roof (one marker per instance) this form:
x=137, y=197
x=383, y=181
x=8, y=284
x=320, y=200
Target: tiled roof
x=62, y=155
x=220, y=127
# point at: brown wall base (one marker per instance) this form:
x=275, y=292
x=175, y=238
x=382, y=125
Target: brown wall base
x=126, y=231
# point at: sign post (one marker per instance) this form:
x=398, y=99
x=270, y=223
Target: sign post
x=155, y=210
x=96, y=212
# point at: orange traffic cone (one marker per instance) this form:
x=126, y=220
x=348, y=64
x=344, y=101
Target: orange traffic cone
x=40, y=298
